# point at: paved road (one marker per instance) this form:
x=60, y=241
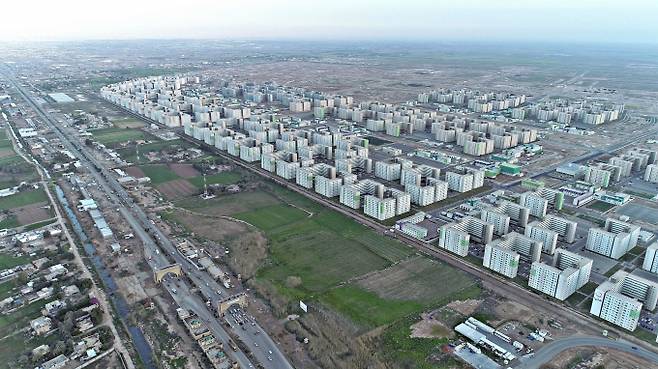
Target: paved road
x=553, y=349
x=142, y=225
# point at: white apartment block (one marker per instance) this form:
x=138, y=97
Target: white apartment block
x=620, y=299
x=537, y=205
x=517, y=213
x=568, y=272
x=597, y=176
x=651, y=258
x=497, y=218
x=614, y=240
x=502, y=255
x=455, y=237
x=550, y=229
x=378, y=201
x=465, y=181
x=651, y=173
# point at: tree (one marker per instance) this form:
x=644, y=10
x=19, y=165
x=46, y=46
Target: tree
x=60, y=348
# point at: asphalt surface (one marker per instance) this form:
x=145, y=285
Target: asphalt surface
x=553, y=349
x=142, y=225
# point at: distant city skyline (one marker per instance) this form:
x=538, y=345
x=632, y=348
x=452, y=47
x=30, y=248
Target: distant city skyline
x=632, y=21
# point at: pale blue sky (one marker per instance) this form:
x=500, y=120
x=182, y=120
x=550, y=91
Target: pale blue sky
x=477, y=20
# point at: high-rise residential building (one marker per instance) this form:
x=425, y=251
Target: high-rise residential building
x=651, y=173
x=455, y=237
x=465, y=180
x=568, y=272
x=550, y=229
x=378, y=201
x=620, y=299
x=502, y=255
x=497, y=218
x=537, y=205
x=598, y=176
x=651, y=258
x=614, y=240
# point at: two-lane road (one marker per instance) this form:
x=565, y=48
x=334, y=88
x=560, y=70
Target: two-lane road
x=553, y=349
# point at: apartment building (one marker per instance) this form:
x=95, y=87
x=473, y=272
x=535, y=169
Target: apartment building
x=502, y=255
x=465, y=180
x=455, y=237
x=550, y=229
x=567, y=273
x=614, y=240
x=650, y=263
x=651, y=173
x=620, y=299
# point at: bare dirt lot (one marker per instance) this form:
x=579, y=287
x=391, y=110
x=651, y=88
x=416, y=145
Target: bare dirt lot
x=184, y=170
x=132, y=288
x=428, y=327
x=176, y=189
x=32, y=213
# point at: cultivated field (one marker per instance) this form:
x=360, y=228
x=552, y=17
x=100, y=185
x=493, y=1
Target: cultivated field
x=111, y=136
x=23, y=198
x=184, y=170
x=176, y=189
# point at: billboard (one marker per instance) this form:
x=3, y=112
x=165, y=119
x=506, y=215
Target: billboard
x=303, y=306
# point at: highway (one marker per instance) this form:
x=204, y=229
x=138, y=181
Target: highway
x=144, y=228
x=491, y=280
x=553, y=349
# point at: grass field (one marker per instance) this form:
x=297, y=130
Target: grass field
x=600, y=206
x=127, y=122
x=322, y=250
x=229, y=204
x=219, y=178
x=409, y=287
x=366, y=308
x=130, y=154
x=6, y=287
x=159, y=173
x=23, y=198
x=109, y=136
x=10, y=261
x=9, y=222
x=20, y=318
x=271, y=217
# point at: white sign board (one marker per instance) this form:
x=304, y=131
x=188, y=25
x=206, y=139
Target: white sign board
x=303, y=306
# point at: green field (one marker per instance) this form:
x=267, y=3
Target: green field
x=9, y=222
x=130, y=154
x=366, y=308
x=219, y=178
x=20, y=318
x=13, y=169
x=323, y=250
x=159, y=173
x=109, y=136
x=23, y=198
x=271, y=217
x=600, y=206
x=10, y=261
x=127, y=122
x=408, y=287
x=6, y=288
x=242, y=202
